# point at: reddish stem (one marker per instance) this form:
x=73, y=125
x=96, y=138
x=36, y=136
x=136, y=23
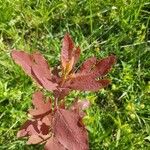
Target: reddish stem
x=55, y=103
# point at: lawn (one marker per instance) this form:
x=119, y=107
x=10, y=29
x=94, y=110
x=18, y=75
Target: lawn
x=119, y=118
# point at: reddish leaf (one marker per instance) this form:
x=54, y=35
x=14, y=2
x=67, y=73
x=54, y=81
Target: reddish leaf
x=36, y=67
x=29, y=128
x=85, y=82
x=67, y=49
x=34, y=139
x=53, y=144
x=88, y=65
x=103, y=66
x=42, y=64
x=40, y=107
x=23, y=59
x=45, y=82
x=80, y=105
x=68, y=132
x=38, y=129
x=76, y=54
x=42, y=72
x=86, y=78
x=69, y=54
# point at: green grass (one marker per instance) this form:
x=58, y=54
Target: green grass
x=119, y=118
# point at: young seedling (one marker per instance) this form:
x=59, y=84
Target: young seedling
x=60, y=127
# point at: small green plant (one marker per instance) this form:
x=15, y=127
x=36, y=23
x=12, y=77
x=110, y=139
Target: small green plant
x=57, y=126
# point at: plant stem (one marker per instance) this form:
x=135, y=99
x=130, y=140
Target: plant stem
x=55, y=103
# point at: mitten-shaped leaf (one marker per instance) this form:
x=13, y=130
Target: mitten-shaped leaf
x=42, y=72
x=38, y=128
x=42, y=79
x=68, y=130
x=24, y=60
x=36, y=67
x=42, y=64
x=40, y=106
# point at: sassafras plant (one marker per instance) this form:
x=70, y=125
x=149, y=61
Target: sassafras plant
x=57, y=126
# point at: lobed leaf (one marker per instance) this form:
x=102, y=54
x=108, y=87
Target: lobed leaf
x=36, y=67
x=41, y=62
x=40, y=106
x=38, y=129
x=42, y=79
x=24, y=60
